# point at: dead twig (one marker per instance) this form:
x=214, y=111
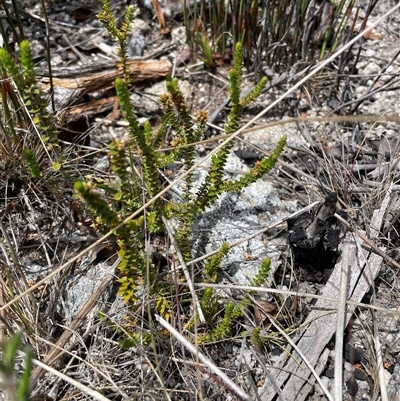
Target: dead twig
x=93, y=393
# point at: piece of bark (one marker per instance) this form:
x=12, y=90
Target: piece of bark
x=308, y=229
x=322, y=218
x=291, y=375
x=70, y=84
x=321, y=364
x=91, y=108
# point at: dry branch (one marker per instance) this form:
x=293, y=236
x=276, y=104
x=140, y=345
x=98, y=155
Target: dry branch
x=71, y=83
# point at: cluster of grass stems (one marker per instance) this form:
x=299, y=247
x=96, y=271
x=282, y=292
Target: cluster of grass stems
x=276, y=34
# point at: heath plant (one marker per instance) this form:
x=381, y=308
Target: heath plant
x=137, y=164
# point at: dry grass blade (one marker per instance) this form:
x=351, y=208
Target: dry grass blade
x=8, y=242
x=203, y=359
x=375, y=232
x=97, y=370
x=39, y=233
x=297, y=294
x=379, y=362
x=370, y=243
x=27, y=310
x=340, y=324
x=86, y=390
x=57, y=351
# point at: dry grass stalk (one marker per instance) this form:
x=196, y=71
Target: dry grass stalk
x=340, y=324
x=369, y=242
x=85, y=390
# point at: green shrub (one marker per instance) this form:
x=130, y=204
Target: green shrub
x=138, y=182
x=17, y=388
x=29, y=134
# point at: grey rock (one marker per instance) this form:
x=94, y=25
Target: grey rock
x=267, y=138
x=304, y=104
x=102, y=164
x=393, y=388
x=178, y=36
x=81, y=287
x=149, y=100
x=138, y=38
x=236, y=216
x=136, y=45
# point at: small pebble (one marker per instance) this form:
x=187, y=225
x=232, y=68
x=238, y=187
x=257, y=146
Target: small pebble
x=303, y=105
x=178, y=36
x=352, y=386
x=360, y=374
x=102, y=164
x=348, y=367
x=318, y=390
x=136, y=45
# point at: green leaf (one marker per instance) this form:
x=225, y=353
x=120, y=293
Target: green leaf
x=31, y=163
x=23, y=386
x=10, y=349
